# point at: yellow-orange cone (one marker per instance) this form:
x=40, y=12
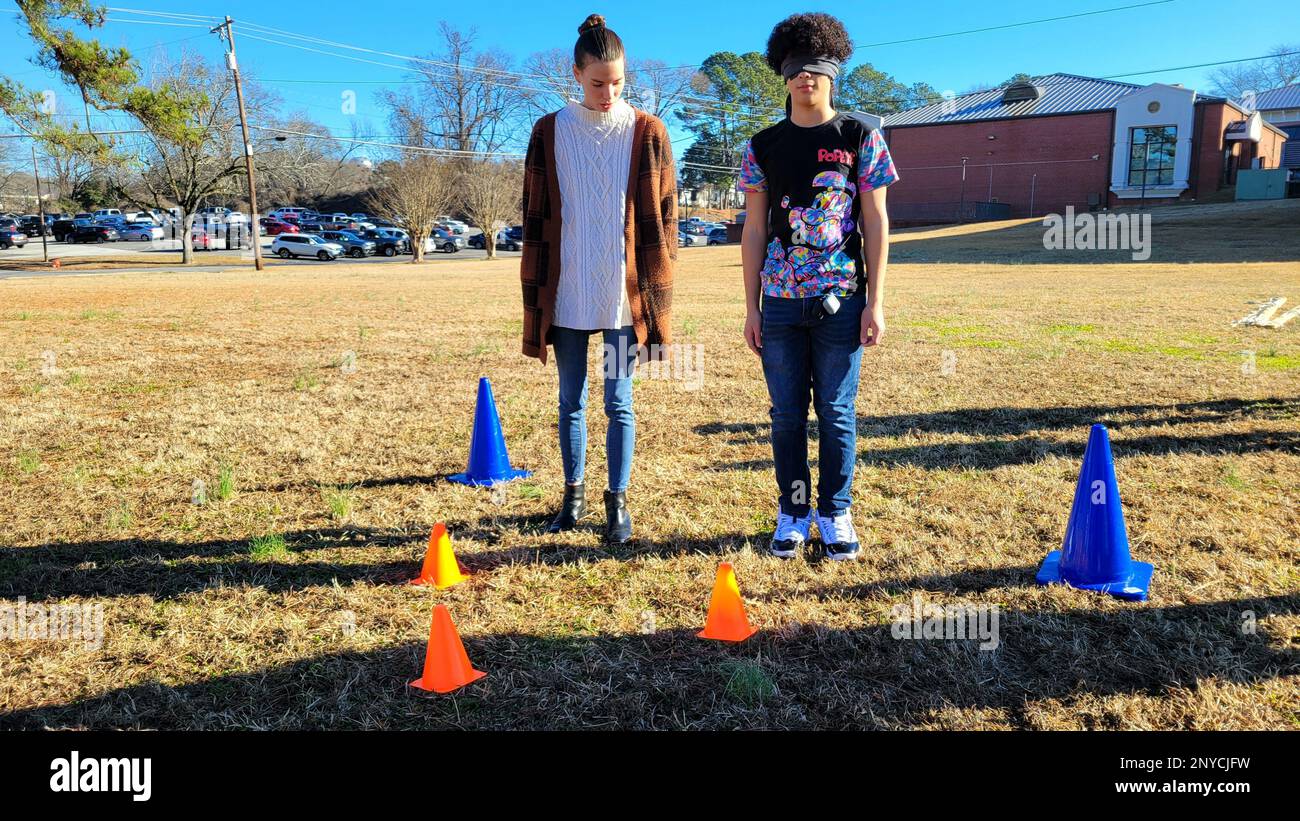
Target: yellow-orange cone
x=727, y=620
x=440, y=566
x=446, y=665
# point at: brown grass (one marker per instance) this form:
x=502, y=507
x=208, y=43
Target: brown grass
x=964, y=484
x=109, y=263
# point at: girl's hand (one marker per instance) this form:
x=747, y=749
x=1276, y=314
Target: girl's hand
x=754, y=331
x=873, y=326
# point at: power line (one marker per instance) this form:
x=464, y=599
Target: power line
x=1016, y=25
x=430, y=149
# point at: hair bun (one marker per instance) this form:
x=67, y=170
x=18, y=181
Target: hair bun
x=592, y=21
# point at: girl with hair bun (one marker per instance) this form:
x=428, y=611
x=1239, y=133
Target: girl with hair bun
x=599, y=250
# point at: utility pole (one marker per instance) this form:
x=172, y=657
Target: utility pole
x=224, y=30
x=40, y=206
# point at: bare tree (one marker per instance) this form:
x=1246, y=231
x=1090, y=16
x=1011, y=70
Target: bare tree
x=1280, y=68
x=463, y=99
x=658, y=88
x=551, y=84
x=305, y=168
x=14, y=177
x=490, y=193
x=193, y=172
x=414, y=193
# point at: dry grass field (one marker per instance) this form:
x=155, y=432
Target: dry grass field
x=280, y=602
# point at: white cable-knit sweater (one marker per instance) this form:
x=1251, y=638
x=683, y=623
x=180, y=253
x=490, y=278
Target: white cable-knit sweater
x=593, y=153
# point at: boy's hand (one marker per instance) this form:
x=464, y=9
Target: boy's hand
x=873, y=326
x=754, y=331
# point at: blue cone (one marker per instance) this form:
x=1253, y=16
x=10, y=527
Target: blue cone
x=1095, y=553
x=488, y=461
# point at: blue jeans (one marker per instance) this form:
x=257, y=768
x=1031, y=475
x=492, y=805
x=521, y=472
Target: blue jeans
x=804, y=355
x=617, y=363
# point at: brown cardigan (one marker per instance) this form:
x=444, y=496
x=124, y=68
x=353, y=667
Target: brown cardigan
x=649, y=228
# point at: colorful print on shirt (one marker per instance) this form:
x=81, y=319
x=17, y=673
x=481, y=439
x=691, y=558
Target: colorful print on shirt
x=814, y=178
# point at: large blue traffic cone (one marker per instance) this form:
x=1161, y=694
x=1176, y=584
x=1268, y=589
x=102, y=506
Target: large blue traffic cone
x=488, y=461
x=1095, y=553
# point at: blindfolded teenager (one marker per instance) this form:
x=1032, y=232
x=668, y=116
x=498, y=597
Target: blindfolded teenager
x=599, y=250
x=814, y=251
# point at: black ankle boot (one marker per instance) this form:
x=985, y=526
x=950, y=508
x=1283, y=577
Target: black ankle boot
x=618, y=521
x=573, y=508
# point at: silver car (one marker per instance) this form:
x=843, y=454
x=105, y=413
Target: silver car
x=140, y=231
x=305, y=245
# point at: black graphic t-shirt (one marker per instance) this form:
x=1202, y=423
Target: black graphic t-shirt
x=814, y=177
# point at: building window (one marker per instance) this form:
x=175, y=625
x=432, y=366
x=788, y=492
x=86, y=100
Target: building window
x=1151, y=156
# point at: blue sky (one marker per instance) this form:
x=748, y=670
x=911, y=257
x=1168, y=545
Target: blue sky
x=1175, y=33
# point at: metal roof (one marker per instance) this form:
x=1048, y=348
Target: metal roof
x=1284, y=97
x=1062, y=94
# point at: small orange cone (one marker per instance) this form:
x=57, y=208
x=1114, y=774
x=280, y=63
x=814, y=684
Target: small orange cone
x=727, y=621
x=440, y=566
x=446, y=665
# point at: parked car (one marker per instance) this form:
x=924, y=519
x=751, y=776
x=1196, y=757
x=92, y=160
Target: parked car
x=353, y=245
x=455, y=226
x=106, y=212
x=685, y=238
x=12, y=238
x=388, y=241
x=93, y=233
x=209, y=213
x=287, y=211
x=718, y=236
x=33, y=226
x=508, y=239
x=445, y=241
x=305, y=245
x=203, y=239
x=274, y=227
x=61, y=228
x=141, y=231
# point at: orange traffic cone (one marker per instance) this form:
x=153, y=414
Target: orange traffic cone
x=727, y=621
x=440, y=566
x=446, y=665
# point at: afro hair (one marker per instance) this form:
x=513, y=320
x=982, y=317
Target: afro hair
x=817, y=34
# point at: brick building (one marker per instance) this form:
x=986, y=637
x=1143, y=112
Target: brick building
x=1063, y=140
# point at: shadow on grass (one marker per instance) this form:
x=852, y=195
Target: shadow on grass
x=1179, y=237
x=381, y=481
x=1017, y=422
x=823, y=678
x=162, y=569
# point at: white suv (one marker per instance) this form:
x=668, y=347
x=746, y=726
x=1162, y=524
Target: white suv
x=305, y=245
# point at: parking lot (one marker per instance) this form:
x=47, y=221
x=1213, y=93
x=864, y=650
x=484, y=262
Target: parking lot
x=170, y=247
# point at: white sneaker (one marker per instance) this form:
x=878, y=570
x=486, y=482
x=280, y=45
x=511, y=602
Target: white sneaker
x=839, y=539
x=790, y=535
